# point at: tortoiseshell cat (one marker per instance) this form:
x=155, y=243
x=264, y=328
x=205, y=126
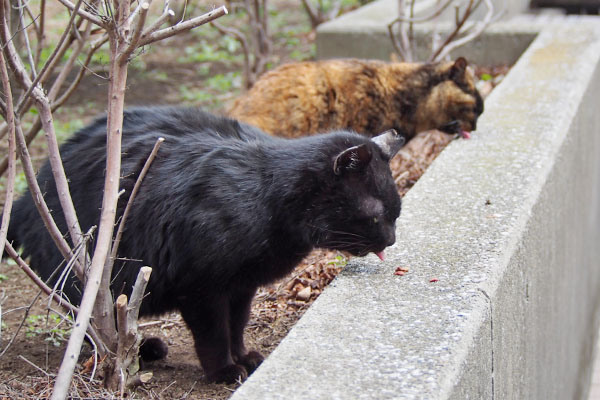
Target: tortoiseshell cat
x=365, y=96
x=224, y=209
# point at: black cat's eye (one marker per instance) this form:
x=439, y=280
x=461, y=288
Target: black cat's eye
x=375, y=219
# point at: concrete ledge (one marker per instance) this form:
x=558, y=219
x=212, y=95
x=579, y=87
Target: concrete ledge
x=509, y=225
x=364, y=34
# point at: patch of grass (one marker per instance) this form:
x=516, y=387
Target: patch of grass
x=224, y=82
x=20, y=183
x=194, y=96
x=203, y=51
x=66, y=128
x=50, y=326
x=339, y=261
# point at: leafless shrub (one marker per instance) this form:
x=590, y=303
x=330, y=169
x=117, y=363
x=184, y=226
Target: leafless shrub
x=255, y=42
x=321, y=12
x=28, y=82
x=401, y=30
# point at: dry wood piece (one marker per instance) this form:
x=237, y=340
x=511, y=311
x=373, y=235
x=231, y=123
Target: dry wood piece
x=414, y=158
x=126, y=366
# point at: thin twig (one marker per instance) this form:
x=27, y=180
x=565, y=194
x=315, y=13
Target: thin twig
x=167, y=13
x=459, y=23
x=36, y=279
x=26, y=38
x=481, y=26
x=34, y=366
x=436, y=13
x=239, y=36
x=84, y=14
x=68, y=66
x=146, y=39
x=136, y=188
x=12, y=153
x=37, y=196
x=31, y=85
x=14, y=336
x=54, y=157
x=141, y=12
x=82, y=70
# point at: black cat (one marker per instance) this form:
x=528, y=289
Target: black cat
x=223, y=210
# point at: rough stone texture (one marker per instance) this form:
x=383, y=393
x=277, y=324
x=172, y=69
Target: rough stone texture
x=509, y=225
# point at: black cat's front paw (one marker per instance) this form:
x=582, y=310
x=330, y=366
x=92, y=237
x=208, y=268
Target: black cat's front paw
x=152, y=349
x=229, y=374
x=251, y=361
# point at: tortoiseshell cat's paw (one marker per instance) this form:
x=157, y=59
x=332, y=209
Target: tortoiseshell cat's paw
x=251, y=361
x=229, y=374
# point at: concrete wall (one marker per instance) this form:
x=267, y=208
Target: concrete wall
x=508, y=223
x=364, y=34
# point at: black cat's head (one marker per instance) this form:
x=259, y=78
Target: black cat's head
x=358, y=203
x=453, y=104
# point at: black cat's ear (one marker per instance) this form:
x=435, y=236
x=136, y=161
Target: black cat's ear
x=457, y=71
x=389, y=142
x=354, y=159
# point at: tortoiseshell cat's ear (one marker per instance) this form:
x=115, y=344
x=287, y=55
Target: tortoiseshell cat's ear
x=354, y=159
x=457, y=71
x=389, y=142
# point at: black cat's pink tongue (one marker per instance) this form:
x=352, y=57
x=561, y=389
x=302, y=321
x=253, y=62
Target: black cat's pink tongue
x=381, y=255
x=465, y=134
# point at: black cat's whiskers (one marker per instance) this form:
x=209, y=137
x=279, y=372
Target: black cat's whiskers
x=342, y=240
x=324, y=229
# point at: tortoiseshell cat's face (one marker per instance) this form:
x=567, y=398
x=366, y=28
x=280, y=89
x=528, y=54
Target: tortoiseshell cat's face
x=454, y=104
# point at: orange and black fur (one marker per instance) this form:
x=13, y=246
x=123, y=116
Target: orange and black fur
x=366, y=96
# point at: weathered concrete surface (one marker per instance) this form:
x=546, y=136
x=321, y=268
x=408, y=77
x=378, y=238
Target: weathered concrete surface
x=509, y=225
x=363, y=33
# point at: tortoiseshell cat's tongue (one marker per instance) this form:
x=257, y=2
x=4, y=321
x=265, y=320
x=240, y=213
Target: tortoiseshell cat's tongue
x=381, y=255
x=465, y=134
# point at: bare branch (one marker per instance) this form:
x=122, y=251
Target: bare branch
x=481, y=26
x=82, y=69
x=459, y=24
x=12, y=153
x=127, y=363
x=136, y=187
x=26, y=38
x=411, y=33
x=181, y=27
x=68, y=66
x=436, y=13
x=37, y=196
x=84, y=14
x=58, y=172
x=141, y=12
x=36, y=279
x=60, y=179
x=401, y=44
x=58, y=52
x=239, y=36
x=164, y=17
x=313, y=14
x=27, y=309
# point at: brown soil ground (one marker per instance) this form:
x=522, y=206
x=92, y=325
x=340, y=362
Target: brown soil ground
x=29, y=358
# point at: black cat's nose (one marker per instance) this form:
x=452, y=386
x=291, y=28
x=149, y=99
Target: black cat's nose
x=390, y=236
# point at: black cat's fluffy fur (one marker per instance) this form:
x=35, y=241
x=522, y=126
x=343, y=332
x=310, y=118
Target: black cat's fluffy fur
x=223, y=209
